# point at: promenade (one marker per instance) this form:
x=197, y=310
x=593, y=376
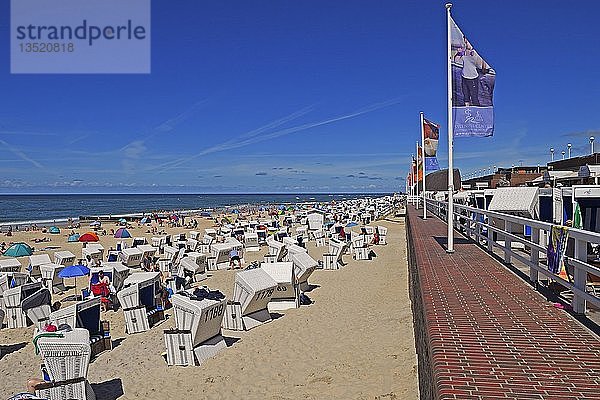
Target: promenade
x=483, y=333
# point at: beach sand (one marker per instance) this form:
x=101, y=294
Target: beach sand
x=354, y=342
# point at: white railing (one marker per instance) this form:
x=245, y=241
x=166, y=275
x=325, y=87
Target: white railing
x=491, y=229
x=414, y=200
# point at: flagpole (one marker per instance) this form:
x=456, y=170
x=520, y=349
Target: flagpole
x=412, y=179
x=450, y=213
x=424, y=166
x=417, y=187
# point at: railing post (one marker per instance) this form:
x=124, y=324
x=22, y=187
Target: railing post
x=468, y=228
x=535, y=255
x=507, y=241
x=477, y=228
x=490, y=236
x=579, y=277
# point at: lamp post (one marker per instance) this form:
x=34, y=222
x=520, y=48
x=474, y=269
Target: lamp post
x=569, y=149
x=563, y=154
x=592, y=143
x=551, y=154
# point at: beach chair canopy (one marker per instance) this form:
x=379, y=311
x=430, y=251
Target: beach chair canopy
x=54, y=230
x=37, y=299
x=10, y=264
x=73, y=238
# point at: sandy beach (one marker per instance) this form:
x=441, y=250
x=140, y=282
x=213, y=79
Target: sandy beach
x=354, y=342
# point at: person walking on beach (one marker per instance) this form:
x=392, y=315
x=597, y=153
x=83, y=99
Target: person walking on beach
x=234, y=259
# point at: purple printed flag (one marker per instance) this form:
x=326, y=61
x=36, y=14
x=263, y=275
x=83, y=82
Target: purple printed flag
x=472, y=88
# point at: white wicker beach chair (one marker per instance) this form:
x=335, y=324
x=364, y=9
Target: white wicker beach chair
x=13, y=297
x=304, y=266
x=333, y=259
x=292, y=249
x=50, y=278
x=158, y=242
x=147, y=250
x=84, y=315
x=382, y=234
x=191, y=244
x=66, y=356
x=10, y=265
x=170, y=253
x=34, y=264
x=131, y=257
x=251, y=241
x=197, y=336
x=94, y=250
x=189, y=266
x=319, y=238
x=360, y=251
x=287, y=294
x=114, y=270
x=276, y=251
x=219, y=258
x=139, y=301
x=37, y=307
x=252, y=291
x=65, y=258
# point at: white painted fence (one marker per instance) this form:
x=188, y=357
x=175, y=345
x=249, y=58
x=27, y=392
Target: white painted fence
x=480, y=226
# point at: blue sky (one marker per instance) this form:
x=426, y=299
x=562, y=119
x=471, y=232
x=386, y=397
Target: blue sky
x=310, y=96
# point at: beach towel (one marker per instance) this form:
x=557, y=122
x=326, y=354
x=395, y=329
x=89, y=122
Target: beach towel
x=556, y=248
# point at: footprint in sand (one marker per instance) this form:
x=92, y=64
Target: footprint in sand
x=324, y=379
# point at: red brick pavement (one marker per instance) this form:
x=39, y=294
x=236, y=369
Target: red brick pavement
x=490, y=335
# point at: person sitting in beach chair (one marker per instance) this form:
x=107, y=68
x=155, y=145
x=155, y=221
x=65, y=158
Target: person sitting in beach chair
x=375, y=237
x=102, y=289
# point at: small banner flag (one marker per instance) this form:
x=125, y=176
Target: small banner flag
x=473, y=83
x=431, y=133
x=577, y=217
x=557, y=247
x=419, y=164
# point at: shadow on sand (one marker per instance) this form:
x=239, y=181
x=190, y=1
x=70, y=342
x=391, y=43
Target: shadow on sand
x=11, y=348
x=109, y=390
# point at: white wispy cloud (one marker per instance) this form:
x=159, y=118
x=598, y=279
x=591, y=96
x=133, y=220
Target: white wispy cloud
x=21, y=155
x=9, y=132
x=246, y=139
x=245, y=136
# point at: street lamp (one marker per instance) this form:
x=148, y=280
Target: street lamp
x=563, y=154
x=592, y=143
x=551, y=153
x=569, y=149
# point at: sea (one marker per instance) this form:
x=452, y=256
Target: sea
x=38, y=208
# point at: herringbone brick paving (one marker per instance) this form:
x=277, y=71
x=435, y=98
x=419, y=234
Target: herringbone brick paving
x=490, y=335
